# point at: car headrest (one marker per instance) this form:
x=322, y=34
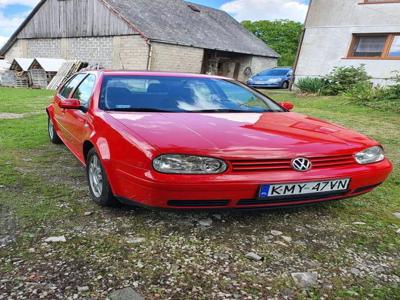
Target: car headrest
x=117, y=94
x=157, y=88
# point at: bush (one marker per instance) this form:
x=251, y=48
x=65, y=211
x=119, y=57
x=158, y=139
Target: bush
x=382, y=98
x=343, y=79
x=340, y=81
x=310, y=85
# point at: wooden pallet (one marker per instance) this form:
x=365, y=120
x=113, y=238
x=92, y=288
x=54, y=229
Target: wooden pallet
x=66, y=71
x=22, y=79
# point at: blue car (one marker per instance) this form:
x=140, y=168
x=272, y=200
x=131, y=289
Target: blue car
x=272, y=78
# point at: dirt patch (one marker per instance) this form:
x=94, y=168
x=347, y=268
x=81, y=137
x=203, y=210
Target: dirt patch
x=10, y=116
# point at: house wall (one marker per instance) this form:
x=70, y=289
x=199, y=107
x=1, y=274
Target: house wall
x=328, y=34
x=176, y=58
x=19, y=49
x=129, y=53
x=74, y=18
x=259, y=64
x=119, y=52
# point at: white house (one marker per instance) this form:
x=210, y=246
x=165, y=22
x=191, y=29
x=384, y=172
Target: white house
x=351, y=33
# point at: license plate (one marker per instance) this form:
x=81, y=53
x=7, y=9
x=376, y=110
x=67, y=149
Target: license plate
x=293, y=189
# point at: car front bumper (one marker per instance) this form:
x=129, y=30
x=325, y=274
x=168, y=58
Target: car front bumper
x=240, y=191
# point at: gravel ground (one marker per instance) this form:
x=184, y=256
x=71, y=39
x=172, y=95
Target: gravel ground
x=56, y=244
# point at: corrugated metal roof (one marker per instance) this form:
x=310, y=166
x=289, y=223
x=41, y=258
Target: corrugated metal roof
x=174, y=21
x=50, y=64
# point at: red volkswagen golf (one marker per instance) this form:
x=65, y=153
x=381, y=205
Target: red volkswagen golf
x=193, y=141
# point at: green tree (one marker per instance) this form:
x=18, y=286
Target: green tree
x=281, y=35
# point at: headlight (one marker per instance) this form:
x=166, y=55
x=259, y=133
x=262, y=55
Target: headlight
x=188, y=164
x=370, y=155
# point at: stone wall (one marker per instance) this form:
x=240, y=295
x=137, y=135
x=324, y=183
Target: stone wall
x=43, y=48
x=176, y=58
x=129, y=52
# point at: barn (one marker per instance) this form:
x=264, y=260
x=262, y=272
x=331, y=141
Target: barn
x=160, y=35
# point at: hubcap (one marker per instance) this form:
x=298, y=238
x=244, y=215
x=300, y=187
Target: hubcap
x=51, y=130
x=95, y=176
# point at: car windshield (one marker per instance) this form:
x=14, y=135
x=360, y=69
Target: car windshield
x=180, y=94
x=274, y=72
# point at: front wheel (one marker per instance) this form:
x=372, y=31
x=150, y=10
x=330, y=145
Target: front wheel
x=99, y=188
x=285, y=85
x=54, y=138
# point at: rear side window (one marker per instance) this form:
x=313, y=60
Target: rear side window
x=71, y=85
x=84, y=90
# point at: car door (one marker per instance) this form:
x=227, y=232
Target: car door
x=77, y=121
x=60, y=115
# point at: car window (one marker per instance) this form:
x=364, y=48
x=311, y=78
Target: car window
x=241, y=95
x=84, y=90
x=71, y=85
x=180, y=94
x=274, y=72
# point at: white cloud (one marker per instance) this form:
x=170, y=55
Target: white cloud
x=9, y=24
x=3, y=40
x=266, y=9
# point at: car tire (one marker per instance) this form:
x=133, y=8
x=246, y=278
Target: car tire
x=53, y=136
x=99, y=188
x=285, y=85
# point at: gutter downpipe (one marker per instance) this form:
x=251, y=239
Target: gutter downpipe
x=149, y=55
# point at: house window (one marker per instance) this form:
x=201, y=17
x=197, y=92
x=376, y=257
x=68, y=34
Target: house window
x=375, y=46
x=395, y=47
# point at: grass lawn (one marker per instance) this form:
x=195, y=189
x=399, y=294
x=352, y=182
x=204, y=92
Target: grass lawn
x=169, y=255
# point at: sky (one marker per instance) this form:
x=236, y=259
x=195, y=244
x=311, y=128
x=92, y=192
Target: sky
x=13, y=12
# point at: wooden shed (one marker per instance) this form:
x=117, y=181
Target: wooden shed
x=42, y=70
x=20, y=66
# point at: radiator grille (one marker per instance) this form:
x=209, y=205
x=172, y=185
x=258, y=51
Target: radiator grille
x=262, y=165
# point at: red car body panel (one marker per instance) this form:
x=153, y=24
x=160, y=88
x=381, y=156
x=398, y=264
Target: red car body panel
x=127, y=142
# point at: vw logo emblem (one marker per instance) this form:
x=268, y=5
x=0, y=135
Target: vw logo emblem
x=301, y=164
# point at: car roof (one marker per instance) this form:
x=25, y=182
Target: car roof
x=154, y=74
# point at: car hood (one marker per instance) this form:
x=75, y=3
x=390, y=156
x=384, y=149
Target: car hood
x=235, y=135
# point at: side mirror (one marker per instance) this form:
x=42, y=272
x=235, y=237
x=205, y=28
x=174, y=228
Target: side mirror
x=70, y=104
x=287, y=105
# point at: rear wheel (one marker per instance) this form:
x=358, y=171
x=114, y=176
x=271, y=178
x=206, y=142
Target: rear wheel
x=99, y=188
x=54, y=138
